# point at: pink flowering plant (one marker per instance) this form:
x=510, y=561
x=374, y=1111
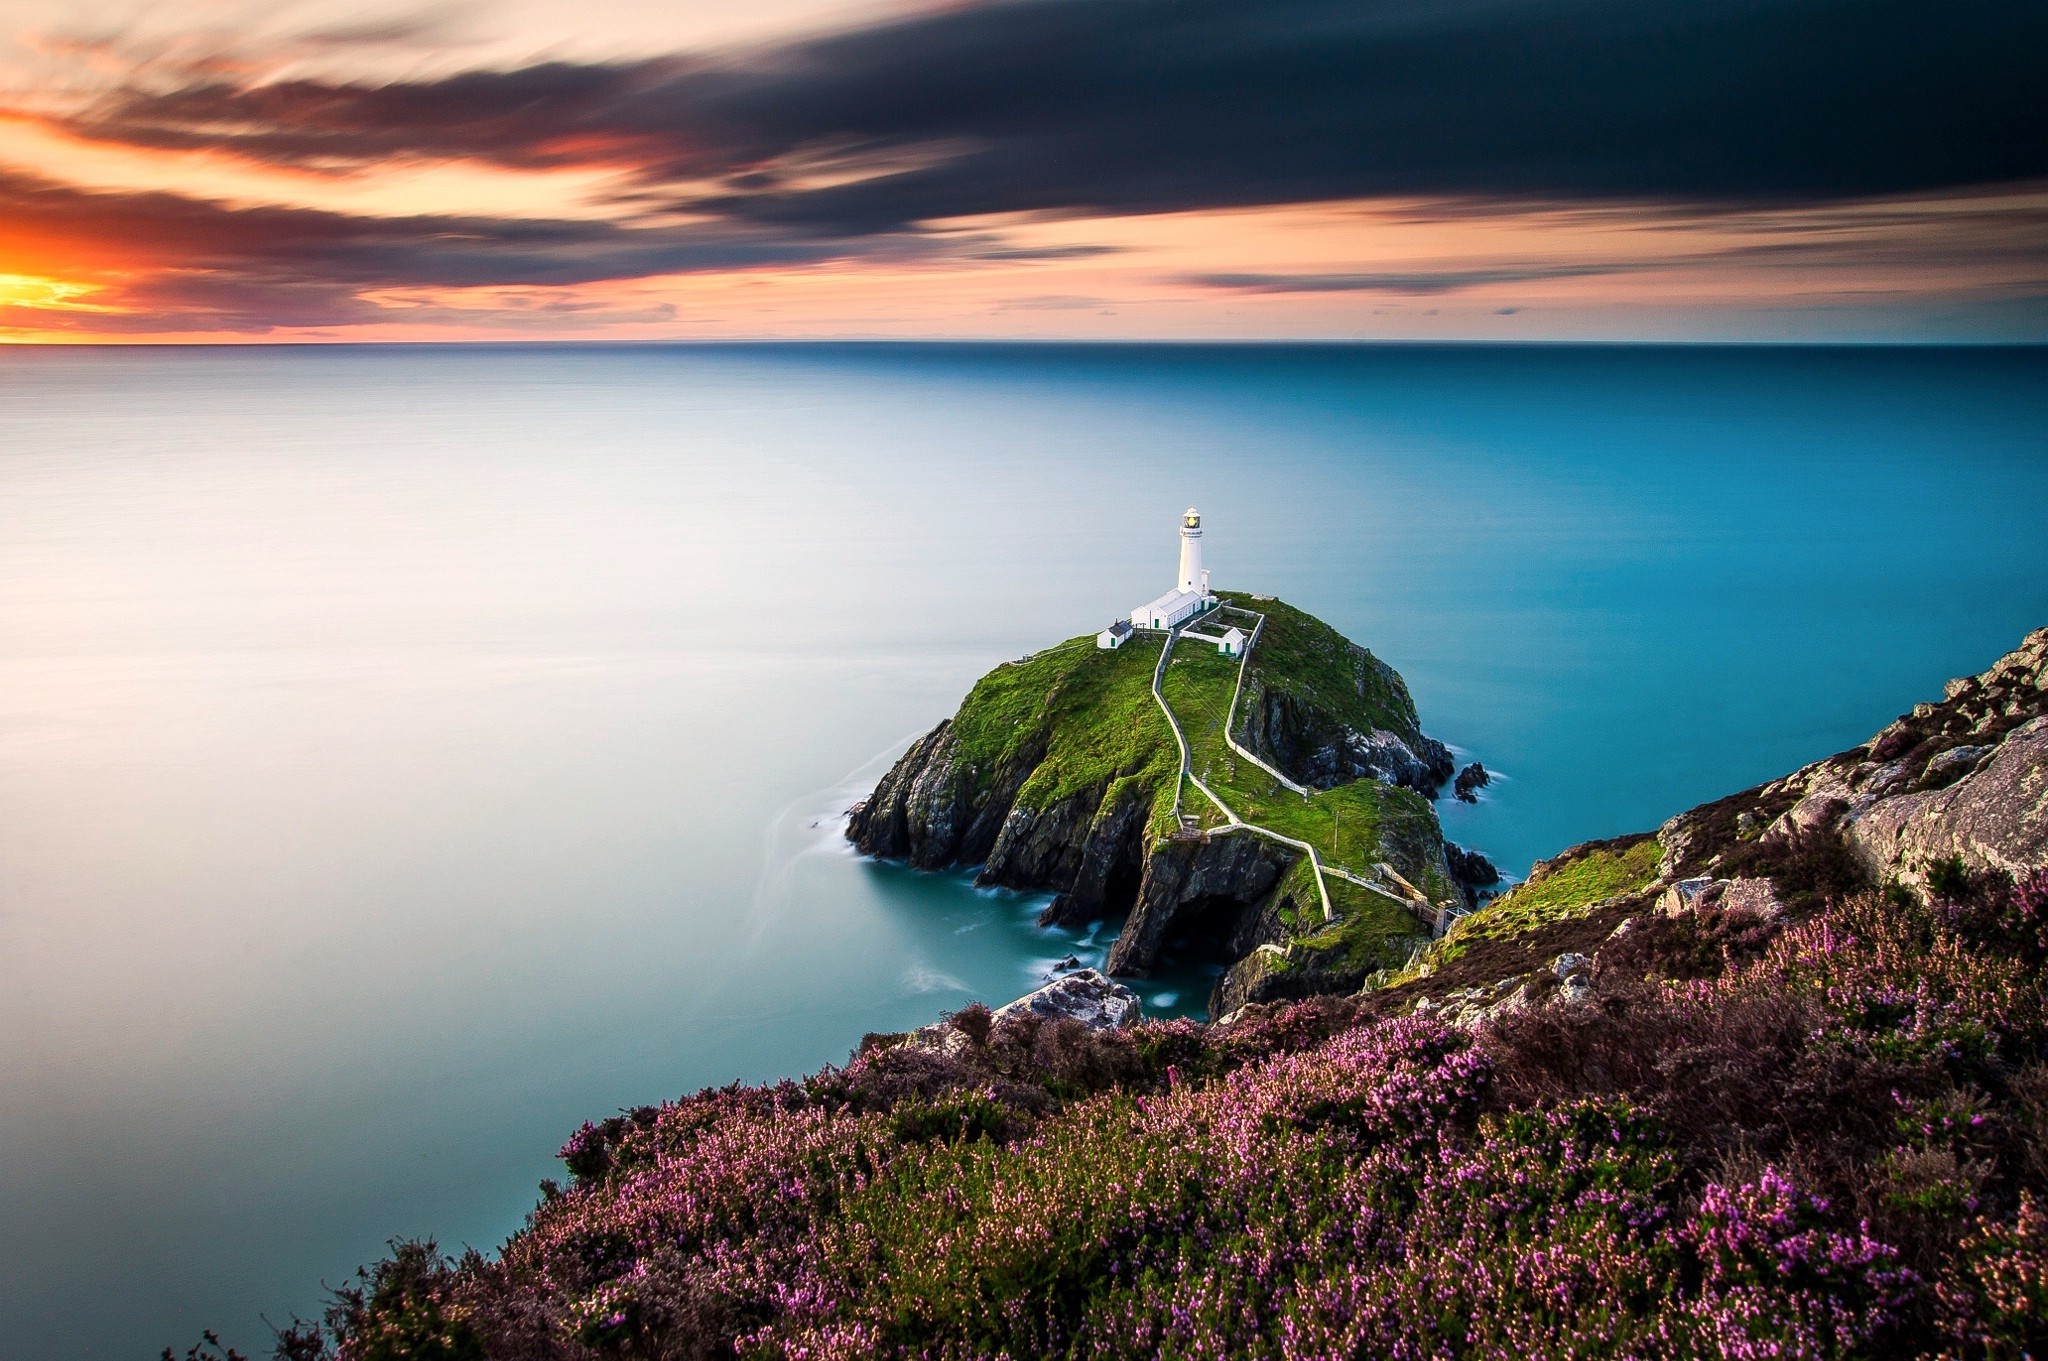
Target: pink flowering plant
x=1833, y=1147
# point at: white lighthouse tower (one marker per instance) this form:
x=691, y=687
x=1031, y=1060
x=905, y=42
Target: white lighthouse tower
x=1190, y=595
x=1192, y=577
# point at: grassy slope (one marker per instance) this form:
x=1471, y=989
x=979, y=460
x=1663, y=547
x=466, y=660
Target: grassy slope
x=1093, y=708
x=1300, y=654
x=1568, y=888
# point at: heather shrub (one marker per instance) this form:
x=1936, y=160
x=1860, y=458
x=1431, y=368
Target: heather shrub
x=1701, y=944
x=955, y=1116
x=1994, y=911
x=1995, y=1297
x=1778, y=1279
x=1266, y=1030
x=403, y=1309
x=1828, y=1138
x=1949, y=879
x=1808, y=868
x=974, y=1021
x=207, y=1348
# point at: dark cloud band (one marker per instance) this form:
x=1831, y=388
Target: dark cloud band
x=1098, y=106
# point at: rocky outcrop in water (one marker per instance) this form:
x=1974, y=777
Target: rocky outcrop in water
x=1470, y=781
x=997, y=787
x=1471, y=871
x=1098, y=1002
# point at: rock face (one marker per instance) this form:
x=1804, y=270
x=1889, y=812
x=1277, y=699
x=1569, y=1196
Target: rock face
x=995, y=787
x=1096, y=1001
x=1963, y=779
x=1960, y=782
x=1470, y=781
x=1303, y=742
x=1995, y=817
x=1208, y=891
x=1472, y=872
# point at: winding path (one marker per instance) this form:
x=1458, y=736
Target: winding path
x=1419, y=906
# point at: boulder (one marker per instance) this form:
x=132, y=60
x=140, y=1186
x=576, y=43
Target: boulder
x=1088, y=996
x=1683, y=896
x=1751, y=895
x=1994, y=818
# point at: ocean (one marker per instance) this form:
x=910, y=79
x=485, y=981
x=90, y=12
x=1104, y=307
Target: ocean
x=408, y=753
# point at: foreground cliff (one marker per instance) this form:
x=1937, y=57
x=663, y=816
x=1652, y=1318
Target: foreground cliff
x=1059, y=773
x=1952, y=793
x=1768, y=1081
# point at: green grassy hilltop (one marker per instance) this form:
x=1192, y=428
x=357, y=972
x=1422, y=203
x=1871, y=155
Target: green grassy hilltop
x=1073, y=739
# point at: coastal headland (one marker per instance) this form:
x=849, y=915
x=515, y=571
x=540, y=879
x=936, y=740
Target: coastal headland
x=1769, y=1079
x=1271, y=810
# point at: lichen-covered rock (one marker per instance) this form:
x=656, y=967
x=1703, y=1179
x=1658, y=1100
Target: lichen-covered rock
x=1302, y=741
x=1469, y=1008
x=1995, y=818
x=1096, y=1001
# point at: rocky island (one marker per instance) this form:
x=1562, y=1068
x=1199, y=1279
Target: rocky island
x=1061, y=773
x=1770, y=1079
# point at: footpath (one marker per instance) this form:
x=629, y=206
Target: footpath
x=1413, y=900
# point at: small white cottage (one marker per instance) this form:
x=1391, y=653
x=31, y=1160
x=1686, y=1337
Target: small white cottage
x=1231, y=644
x=1115, y=635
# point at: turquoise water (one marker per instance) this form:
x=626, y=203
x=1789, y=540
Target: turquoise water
x=406, y=754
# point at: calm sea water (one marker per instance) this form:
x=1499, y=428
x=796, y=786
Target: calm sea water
x=406, y=754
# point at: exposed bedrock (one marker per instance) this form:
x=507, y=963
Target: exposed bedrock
x=1471, y=780
x=1303, y=741
x=1112, y=859
x=1472, y=872
x=1089, y=847
x=927, y=809
x=1206, y=895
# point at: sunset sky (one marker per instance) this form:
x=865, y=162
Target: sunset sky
x=1097, y=169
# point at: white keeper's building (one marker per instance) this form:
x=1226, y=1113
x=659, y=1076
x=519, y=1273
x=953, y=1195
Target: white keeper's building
x=1189, y=597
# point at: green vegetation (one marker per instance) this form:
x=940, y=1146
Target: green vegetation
x=1301, y=655
x=1352, y=826
x=1092, y=709
x=1568, y=889
x=1092, y=713
x=1370, y=932
x=1825, y=1170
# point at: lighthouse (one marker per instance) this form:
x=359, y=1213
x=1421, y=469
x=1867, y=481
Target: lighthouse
x=1192, y=577
x=1190, y=594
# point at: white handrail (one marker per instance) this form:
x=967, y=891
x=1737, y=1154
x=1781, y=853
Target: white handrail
x=1230, y=719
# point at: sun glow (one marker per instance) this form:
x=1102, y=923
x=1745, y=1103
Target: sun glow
x=35, y=290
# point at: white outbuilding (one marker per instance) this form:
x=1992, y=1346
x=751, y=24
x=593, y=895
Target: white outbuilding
x=1231, y=644
x=1190, y=595
x=1115, y=635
